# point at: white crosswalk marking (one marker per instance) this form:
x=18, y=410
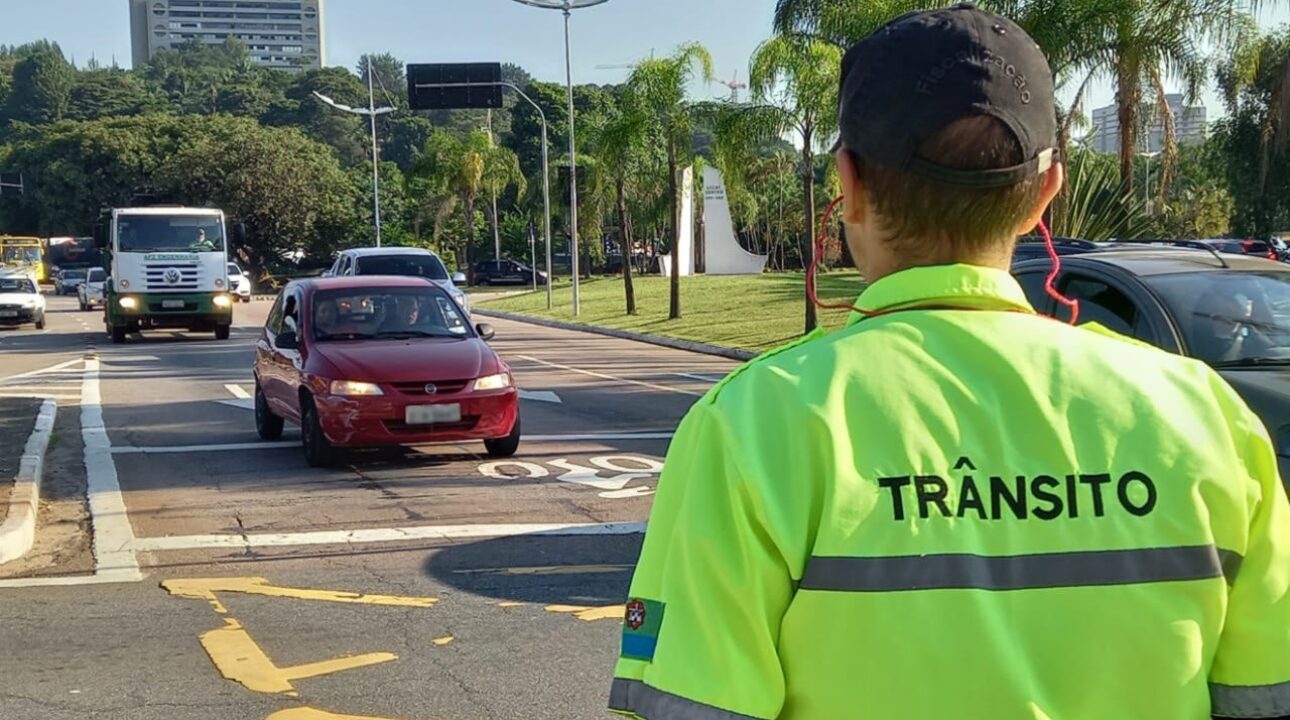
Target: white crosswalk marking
x=61, y=382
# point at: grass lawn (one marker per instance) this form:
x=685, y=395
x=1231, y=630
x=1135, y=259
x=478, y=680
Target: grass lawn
x=754, y=312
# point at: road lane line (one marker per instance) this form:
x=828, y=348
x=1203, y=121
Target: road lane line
x=237, y=391
x=615, y=378
x=573, y=437
x=113, y=537
x=702, y=378
x=42, y=371
x=205, y=589
x=381, y=535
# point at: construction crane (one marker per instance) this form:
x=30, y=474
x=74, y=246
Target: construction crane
x=735, y=86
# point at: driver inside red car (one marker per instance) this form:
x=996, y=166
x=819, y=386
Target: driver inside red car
x=328, y=321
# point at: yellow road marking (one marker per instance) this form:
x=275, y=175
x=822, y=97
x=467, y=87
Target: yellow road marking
x=239, y=658
x=205, y=589
x=443, y=640
x=590, y=614
x=547, y=570
x=306, y=713
x=510, y=604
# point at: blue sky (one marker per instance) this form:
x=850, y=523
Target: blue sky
x=476, y=30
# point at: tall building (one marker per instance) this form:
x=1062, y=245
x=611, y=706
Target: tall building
x=284, y=34
x=1189, y=127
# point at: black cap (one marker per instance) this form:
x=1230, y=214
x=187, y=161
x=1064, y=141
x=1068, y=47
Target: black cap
x=924, y=70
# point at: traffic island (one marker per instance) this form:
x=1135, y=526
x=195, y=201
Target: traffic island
x=26, y=425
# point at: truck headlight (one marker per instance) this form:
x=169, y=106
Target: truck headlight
x=352, y=388
x=129, y=303
x=223, y=301
x=493, y=382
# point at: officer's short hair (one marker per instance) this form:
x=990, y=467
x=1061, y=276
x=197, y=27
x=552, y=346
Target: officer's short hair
x=931, y=219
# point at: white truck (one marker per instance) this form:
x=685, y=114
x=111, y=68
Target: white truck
x=167, y=268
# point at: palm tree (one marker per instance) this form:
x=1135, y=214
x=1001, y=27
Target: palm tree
x=458, y=169
x=659, y=85
x=618, y=146
x=794, y=81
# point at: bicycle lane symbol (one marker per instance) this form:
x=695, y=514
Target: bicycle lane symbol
x=622, y=470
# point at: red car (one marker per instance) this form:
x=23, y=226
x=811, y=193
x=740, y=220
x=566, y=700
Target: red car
x=379, y=361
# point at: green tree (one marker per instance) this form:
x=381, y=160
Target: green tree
x=42, y=87
x=659, y=86
x=287, y=188
x=619, y=147
x=796, y=80
x=455, y=170
x=390, y=84
x=108, y=93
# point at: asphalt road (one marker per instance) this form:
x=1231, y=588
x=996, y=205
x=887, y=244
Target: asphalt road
x=191, y=571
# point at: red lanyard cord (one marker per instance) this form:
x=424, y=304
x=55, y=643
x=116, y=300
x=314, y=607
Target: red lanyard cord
x=813, y=269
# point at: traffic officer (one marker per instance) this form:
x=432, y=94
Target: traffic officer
x=954, y=507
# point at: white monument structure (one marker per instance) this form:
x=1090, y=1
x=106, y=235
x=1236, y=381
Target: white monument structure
x=723, y=255
x=685, y=238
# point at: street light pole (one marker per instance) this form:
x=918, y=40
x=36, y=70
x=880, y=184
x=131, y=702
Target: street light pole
x=567, y=7
x=370, y=111
x=546, y=163
x=376, y=167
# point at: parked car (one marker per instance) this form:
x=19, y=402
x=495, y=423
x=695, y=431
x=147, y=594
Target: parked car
x=1231, y=312
x=1029, y=248
x=20, y=300
x=92, y=292
x=413, y=262
x=380, y=361
x=505, y=272
x=68, y=280
x=239, y=284
x=1245, y=247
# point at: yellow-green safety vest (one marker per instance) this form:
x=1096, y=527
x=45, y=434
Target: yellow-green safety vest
x=953, y=513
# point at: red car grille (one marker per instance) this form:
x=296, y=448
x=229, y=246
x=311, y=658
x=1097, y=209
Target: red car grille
x=399, y=427
x=445, y=387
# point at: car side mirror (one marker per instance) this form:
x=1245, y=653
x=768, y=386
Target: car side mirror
x=239, y=234
x=459, y=278
x=287, y=340
x=486, y=331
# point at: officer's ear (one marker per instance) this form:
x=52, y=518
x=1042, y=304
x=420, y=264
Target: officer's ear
x=856, y=202
x=1052, y=184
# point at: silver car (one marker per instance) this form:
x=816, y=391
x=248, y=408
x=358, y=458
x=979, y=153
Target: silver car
x=403, y=261
x=91, y=293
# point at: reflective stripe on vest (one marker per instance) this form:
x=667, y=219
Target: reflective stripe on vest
x=1019, y=572
x=1252, y=701
x=637, y=698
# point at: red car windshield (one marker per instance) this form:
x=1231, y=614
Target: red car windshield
x=386, y=313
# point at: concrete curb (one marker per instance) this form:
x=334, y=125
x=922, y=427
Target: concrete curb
x=18, y=531
x=659, y=340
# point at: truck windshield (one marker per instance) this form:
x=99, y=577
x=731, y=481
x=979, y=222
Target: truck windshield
x=170, y=233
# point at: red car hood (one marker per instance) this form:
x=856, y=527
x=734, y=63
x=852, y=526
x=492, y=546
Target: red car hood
x=422, y=360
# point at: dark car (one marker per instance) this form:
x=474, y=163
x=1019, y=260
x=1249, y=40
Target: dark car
x=1257, y=248
x=505, y=272
x=1030, y=248
x=380, y=361
x=1232, y=312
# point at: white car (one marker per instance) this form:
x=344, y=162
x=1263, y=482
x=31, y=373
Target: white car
x=239, y=283
x=92, y=292
x=20, y=300
x=403, y=261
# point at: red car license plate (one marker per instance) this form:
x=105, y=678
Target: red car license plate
x=431, y=414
